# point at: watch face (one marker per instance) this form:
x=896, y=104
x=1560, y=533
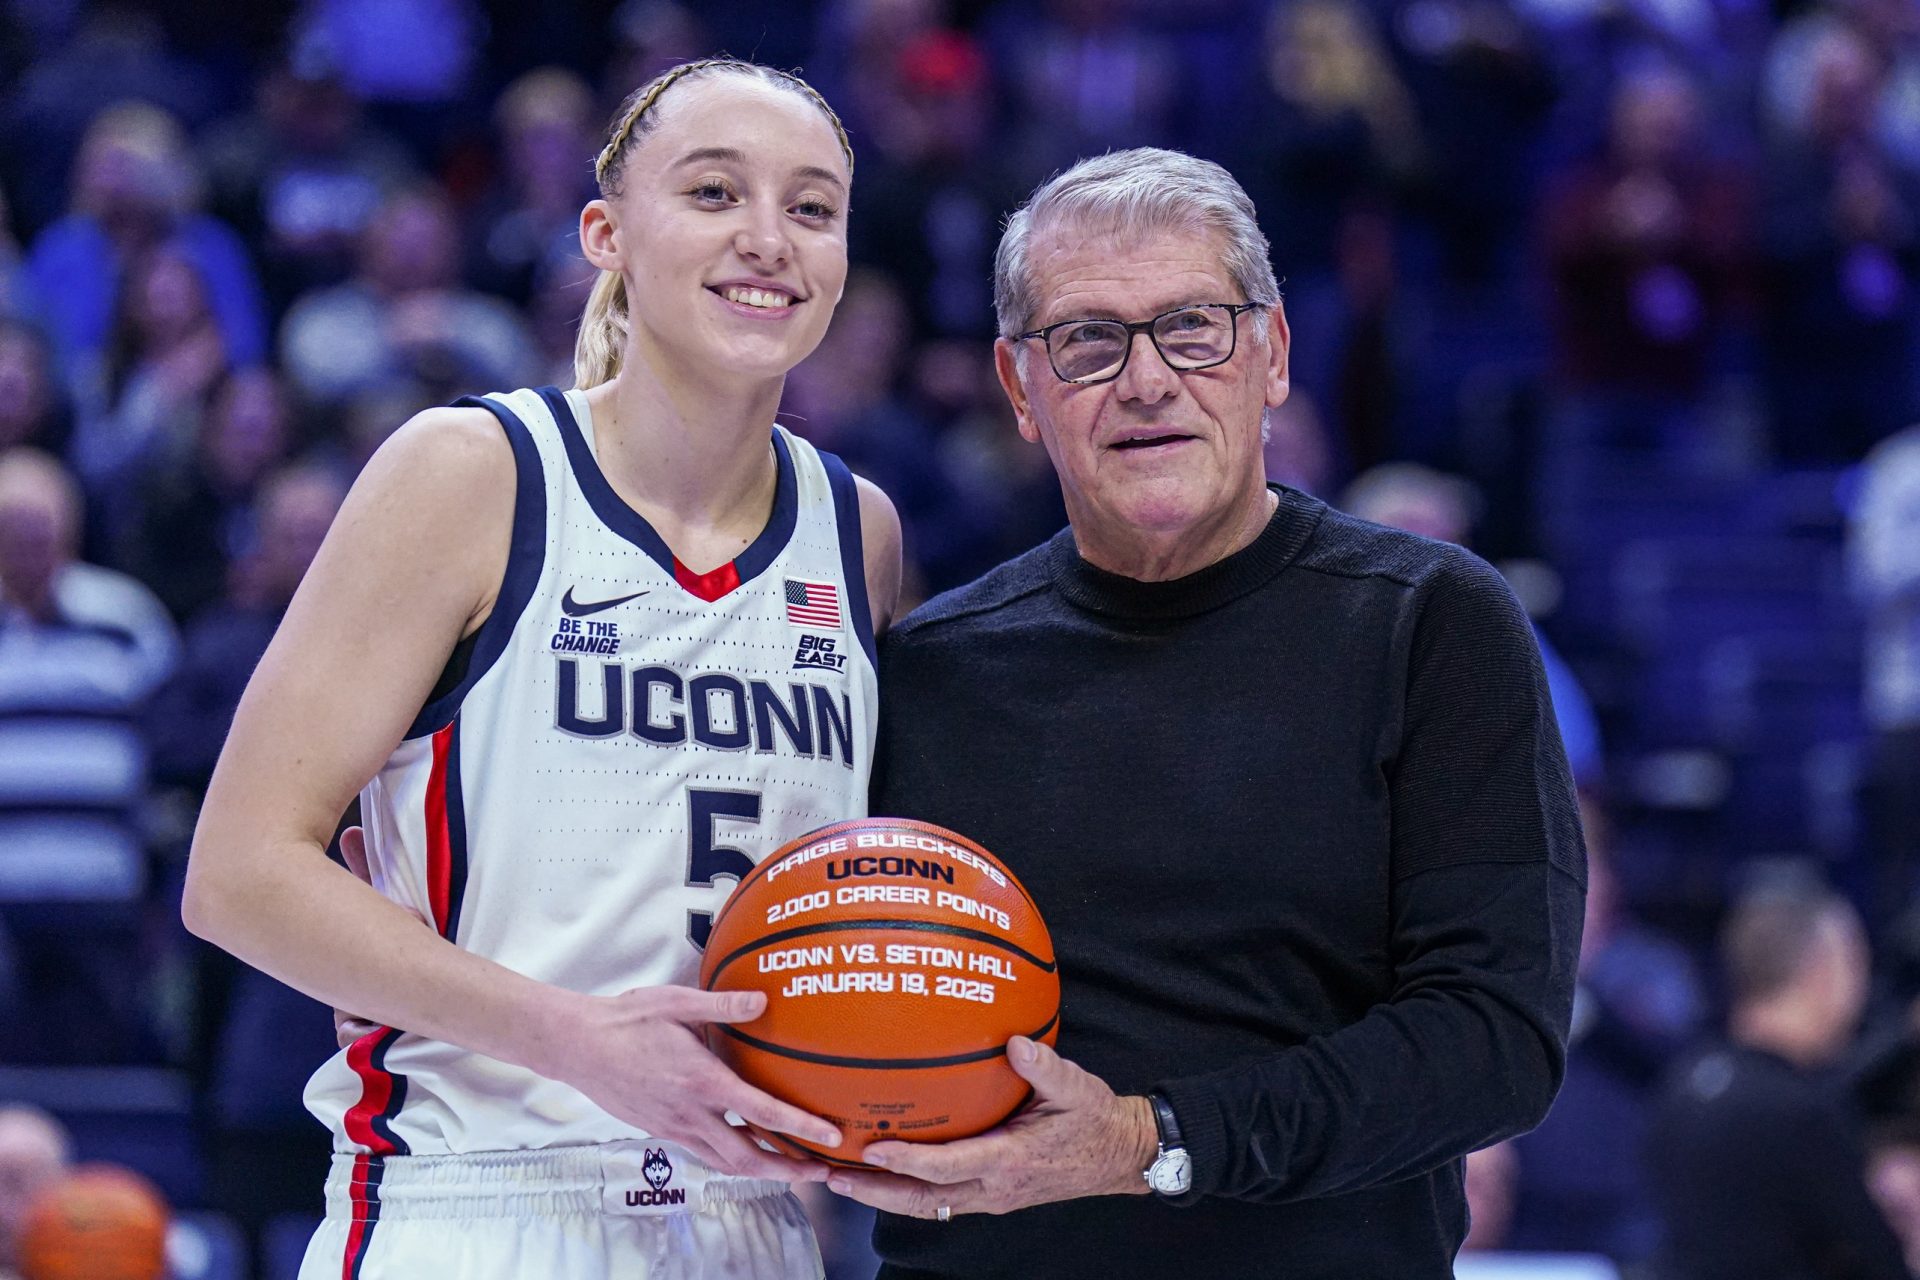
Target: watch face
x=1172, y=1173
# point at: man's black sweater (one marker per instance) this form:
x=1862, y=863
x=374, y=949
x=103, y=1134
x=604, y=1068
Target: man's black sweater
x=1303, y=831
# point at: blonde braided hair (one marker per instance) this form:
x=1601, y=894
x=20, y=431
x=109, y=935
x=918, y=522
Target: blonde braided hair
x=603, y=325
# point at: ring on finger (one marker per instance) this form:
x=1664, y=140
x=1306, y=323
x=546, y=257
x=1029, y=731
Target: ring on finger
x=943, y=1213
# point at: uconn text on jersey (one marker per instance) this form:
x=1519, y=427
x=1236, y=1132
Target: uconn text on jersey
x=714, y=709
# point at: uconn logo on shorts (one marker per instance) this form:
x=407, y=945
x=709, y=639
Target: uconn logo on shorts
x=645, y=1178
x=658, y=1171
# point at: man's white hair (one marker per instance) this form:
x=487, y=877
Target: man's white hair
x=1125, y=194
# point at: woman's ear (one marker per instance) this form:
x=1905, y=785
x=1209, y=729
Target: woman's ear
x=600, y=235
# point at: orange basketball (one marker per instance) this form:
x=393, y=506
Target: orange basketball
x=897, y=958
x=99, y=1222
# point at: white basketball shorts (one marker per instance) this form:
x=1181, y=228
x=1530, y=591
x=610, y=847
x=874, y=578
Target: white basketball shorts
x=632, y=1210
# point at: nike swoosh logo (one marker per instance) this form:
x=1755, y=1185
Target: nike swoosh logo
x=574, y=609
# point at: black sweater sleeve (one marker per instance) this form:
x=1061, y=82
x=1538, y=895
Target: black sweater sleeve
x=1488, y=895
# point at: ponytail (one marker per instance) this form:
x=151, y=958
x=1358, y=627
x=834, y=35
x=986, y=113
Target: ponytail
x=603, y=332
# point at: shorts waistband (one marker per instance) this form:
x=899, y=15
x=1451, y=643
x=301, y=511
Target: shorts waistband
x=626, y=1178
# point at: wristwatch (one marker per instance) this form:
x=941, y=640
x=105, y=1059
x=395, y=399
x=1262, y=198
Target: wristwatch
x=1171, y=1173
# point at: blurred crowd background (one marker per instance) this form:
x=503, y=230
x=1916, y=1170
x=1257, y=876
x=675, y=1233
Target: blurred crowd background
x=1622, y=293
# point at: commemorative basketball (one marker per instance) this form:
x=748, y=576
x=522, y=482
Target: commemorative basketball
x=897, y=958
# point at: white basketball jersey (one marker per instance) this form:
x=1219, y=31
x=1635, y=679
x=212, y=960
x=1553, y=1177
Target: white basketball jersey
x=615, y=747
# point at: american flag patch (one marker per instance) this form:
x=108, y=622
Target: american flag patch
x=812, y=604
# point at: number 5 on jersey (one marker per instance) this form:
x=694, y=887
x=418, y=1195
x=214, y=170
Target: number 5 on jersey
x=707, y=860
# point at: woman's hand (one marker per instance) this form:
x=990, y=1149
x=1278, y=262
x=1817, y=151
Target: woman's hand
x=642, y=1057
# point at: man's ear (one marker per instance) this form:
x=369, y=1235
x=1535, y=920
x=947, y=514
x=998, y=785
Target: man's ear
x=600, y=236
x=1279, y=347
x=1006, y=363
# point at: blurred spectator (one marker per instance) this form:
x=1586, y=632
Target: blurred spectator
x=376, y=413
x=648, y=37
x=1637, y=1005
x=98, y=1222
x=1648, y=247
x=1296, y=449
x=1886, y=1083
x=932, y=192
x=193, y=520
x=135, y=185
x=1890, y=28
x=1366, y=374
x=302, y=173
x=1004, y=483
x=1893, y=1176
x=414, y=60
x=226, y=640
x=405, y=314
x=1490, y=1176
x=1339, y=133
x=117, y=53
x=1406, y=495
x=1884, y=548
x=1483, y=88
x=1755, y=1157
x=1842, y=253
x=34, y=1151
x=560, y=291
x=32, y=408
x=1340, y=144
x=16, y=299
x=122, y=645
x=844, y=399
x=265, y=1039
x=1596, y=41
x=860, y=61
x=264, y=1158
x=1083, y=79
x=81, y=650
x=1211, y=41
x=530, y=222
x=140, y=401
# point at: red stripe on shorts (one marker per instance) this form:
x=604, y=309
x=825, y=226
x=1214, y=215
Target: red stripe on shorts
x=361, y=1229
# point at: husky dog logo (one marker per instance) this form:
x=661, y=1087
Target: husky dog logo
x=657, y=1168
x=658, y=1171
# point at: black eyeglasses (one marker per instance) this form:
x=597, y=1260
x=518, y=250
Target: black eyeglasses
x=1187, y=338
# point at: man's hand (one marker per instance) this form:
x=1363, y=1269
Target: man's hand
x=1077, y=1139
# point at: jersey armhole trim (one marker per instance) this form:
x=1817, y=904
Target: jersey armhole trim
x=526, y=555
x=853, y=559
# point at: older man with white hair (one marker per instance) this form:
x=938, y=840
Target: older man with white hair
x=1286, y=785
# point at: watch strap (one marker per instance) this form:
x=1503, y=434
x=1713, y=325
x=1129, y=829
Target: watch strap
x=1165, y=1122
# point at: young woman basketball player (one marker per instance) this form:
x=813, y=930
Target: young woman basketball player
x=586, y=656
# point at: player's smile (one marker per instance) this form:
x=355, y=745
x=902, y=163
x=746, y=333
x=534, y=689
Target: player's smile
x=757, y=299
